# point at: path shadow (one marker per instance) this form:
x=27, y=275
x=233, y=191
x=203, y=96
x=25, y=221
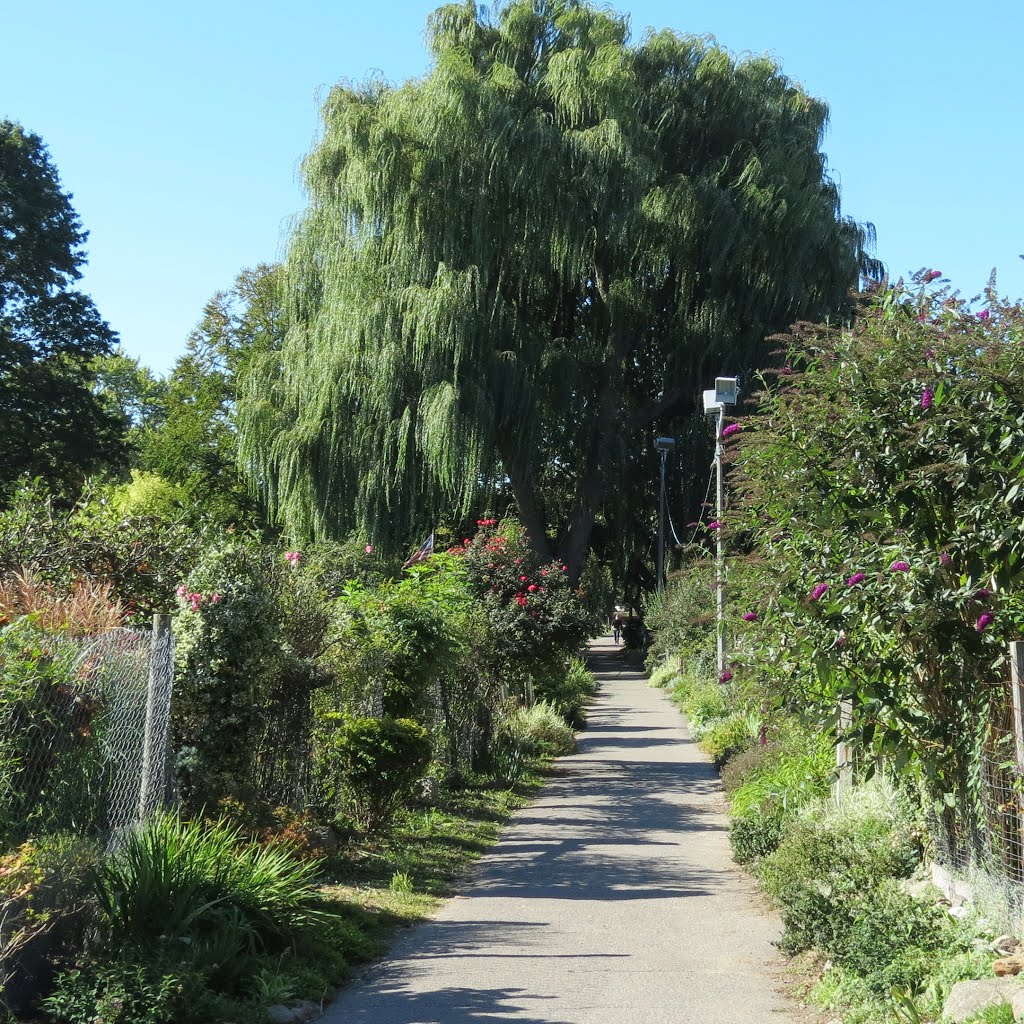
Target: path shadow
x=398, y=1004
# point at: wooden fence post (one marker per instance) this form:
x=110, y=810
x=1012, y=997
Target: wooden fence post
x=844, y=752
x=1017, y=691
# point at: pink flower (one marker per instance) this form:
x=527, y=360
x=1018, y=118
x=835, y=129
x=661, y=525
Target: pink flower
x=714, y=525
x=984, y=314
x=294, y=557
x=725, y=676
x=984, y=620
x=522, y=579
x=532, y=587
x=926, y=399
x=368, y=549
x=565, y=568
x=543, y=572
x=733, y=428
x=856, y=578
x=899, y=566
x=216, y=598
x=818, y=591
x=182, y=591
x=750, y=617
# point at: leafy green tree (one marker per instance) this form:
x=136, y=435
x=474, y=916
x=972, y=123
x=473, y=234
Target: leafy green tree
x=53, y=424
x=193, y=444
x=132, y=392
x=513, y=269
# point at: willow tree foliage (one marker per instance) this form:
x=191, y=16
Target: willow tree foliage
x=515, y=269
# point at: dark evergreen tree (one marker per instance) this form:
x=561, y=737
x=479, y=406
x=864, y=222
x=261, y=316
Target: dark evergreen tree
x=52, y=423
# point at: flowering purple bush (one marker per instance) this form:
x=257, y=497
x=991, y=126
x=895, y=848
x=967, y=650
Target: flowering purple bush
x=835, y=473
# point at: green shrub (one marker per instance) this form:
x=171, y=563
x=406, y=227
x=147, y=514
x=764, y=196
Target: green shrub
x=51, y=763
x=378, y=763
x=543, y=728
x=568, y=691
x=785, y=774
x=665, y=674
x=832, y=858
x=118, y=992
x=702, y=702
x=886, y=935
x=43, y=909
x=201, y=886
x=227, y=655
x=726, y=737
x=682, y=616
x=755, y=836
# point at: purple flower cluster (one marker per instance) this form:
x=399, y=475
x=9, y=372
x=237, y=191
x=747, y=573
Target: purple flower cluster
x=984, y=621
x=899, y=566
x=750, y=617
x=856, y=578
x=818, y=591
x=725, y=676
x=927, y=397
x=714, y=525
x=733, y=428
x=932, y=275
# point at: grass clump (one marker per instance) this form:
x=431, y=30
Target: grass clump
x=665, y=674
x=701, y=701
x=568, y=691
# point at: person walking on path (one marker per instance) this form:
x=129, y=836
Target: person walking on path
x=617, y=626
x=611, y=899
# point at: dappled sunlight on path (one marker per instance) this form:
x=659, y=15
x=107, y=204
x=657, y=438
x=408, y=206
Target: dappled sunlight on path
x=611, y=899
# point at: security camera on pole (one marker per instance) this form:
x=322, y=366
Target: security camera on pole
x=725, y=391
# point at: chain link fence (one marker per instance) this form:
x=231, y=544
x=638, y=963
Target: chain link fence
x=84, y=732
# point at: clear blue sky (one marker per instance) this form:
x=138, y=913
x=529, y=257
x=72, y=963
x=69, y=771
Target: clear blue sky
x=179, y=127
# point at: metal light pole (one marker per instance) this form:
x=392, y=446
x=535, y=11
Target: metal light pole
x=719, y=545
x=725, y=393
x=664, y=445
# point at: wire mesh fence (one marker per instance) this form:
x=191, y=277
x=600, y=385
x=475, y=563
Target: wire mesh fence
x=83, y=732
x=980, y=839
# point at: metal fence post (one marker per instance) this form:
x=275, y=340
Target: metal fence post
x=154, y=742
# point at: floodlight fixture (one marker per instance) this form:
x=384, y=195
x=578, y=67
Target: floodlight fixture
x=711, y=404
x=664, y=444
x=726, y=390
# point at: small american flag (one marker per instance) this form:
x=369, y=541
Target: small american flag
x=425, y=550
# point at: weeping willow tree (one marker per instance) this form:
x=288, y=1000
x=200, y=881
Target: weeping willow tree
x=514, y=269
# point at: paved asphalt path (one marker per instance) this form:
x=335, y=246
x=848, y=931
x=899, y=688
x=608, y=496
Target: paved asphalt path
x=611, y=899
